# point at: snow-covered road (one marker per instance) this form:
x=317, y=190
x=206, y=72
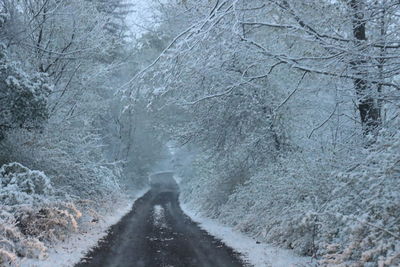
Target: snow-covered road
x=157, y=233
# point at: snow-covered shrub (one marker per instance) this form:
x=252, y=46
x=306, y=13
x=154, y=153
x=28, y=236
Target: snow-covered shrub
x=14, y=243
x=7, y=259
x=367, y=202
x=48, y=223
x=208, y=198
x=32, y=248
x=20, y=185
x=341, y=207
x=31, y=213
x=23, y=96
x=74, y=160
x=280, y=204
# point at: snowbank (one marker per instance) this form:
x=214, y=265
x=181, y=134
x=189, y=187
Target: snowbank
x=254, y=252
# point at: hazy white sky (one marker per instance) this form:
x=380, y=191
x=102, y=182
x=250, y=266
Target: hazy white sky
x=141, y=19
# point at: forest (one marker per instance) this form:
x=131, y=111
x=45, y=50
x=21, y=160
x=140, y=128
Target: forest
x=280, y=119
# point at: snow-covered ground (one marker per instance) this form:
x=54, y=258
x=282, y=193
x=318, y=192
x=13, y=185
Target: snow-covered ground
x=253, y=252
x=69, y=252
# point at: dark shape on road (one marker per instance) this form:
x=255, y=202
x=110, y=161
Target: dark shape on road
x=156, y=232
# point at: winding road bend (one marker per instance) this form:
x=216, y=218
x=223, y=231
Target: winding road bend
x=156, y=232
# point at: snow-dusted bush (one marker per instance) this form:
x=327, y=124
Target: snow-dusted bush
x=60, y=133
x=7, y=259
x=344, y=209
x=14, y=244
x=23, y=96
x=277, y=203
x=31, y=214
x=48, y=223
x=74, y=159
x=367, y=202
x=20, y=185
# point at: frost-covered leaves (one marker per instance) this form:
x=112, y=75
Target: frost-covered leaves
x=31, y=215
x=73, y=158
x=18, y=184
x=345, y=217
x=49, y=223
x=14, y=242
x=277, y=203
x=23, y=96
x=7, y=259
x=368, y=201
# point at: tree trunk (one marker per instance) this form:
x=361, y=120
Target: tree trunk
x=367, y=106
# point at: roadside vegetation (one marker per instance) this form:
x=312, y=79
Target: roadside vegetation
x=281, y=119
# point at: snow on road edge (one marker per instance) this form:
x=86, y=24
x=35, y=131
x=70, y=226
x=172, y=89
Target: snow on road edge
x=70, y=252
x=258, y=255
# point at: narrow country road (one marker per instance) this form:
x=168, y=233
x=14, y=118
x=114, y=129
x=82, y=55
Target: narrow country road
x=156, y=232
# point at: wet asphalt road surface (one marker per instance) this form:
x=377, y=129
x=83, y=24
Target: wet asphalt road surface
x=155, y=233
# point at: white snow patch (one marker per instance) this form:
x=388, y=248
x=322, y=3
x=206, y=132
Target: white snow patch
x=258, y=255
x=71, y=251
x=177, y=179
x=159, y=216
